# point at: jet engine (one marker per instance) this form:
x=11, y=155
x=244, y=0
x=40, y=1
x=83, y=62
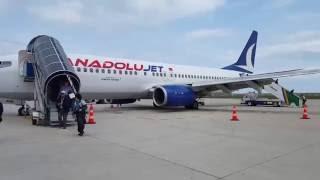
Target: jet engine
x=175, y=95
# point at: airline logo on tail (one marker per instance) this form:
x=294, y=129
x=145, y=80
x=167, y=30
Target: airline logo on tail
x=245, y=63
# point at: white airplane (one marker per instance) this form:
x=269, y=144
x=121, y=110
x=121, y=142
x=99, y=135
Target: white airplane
x=125, y=81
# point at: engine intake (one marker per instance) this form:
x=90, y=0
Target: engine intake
x=174, y=95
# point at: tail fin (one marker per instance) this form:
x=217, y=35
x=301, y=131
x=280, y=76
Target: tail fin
x=245, y=62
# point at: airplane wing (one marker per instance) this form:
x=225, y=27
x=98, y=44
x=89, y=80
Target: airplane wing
x=257, y=80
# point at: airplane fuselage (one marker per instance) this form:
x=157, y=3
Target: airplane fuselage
x=112, y=78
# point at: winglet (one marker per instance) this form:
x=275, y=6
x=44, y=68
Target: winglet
x=245, y=63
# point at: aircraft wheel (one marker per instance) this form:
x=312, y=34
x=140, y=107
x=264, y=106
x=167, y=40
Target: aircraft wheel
x=195, y=105
x=21, y=111
x=154, y=105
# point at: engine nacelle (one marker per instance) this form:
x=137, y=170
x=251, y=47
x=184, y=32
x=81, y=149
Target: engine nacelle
x=174, y=95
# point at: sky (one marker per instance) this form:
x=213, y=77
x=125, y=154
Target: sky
x=208, y=33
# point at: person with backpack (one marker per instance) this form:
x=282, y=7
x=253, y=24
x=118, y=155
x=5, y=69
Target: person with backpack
x=80, y=110
x=1, y=111
x=64, y=104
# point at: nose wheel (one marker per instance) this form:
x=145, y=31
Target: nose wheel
x=24, y=111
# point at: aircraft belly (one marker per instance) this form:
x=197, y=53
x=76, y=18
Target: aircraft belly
x=112, y=88
x=17, y=95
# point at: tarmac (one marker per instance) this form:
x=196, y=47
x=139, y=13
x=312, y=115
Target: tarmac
x=139, y=142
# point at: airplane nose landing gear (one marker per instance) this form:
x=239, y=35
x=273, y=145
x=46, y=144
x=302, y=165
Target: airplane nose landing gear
x=24, y=110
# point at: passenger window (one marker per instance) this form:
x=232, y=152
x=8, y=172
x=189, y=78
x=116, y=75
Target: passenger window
x=78, y=69
x=153, y=74
x=91, y=70
x=130, y=72
x=161, y=74
x=182, y=75
x=120, y=72
x=103, y=70
x=145, y=73
x=157, y=74
x=164, y=74
x=109, y=71
x=135, y=73
x=179, y=76
x=125, y=72
x=84, y=69
x=97, y=70
x=171, y=75
x=114, y=71
x=175, y=75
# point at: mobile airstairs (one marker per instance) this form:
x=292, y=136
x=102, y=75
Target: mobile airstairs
x=45, y=64
x=285, y=96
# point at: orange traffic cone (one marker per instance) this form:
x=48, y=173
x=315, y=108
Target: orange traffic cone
x=305, y=113
x=91, y=115
x=234, y=116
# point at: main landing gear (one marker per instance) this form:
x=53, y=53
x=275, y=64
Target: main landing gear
x=195, y=105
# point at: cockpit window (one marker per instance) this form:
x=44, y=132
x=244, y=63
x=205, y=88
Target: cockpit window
x=4, y=64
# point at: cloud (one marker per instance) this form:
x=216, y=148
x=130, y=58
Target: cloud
x=10, y=47
x=293, y=44
x=208, y=33
x=120, y=12
x=303, y=17
x=4, y=4
x=68, y=12
x=281, y=3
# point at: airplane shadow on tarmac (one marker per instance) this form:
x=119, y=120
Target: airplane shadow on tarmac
x=206, y=108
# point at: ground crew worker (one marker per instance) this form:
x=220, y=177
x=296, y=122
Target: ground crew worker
x=64, y=104
x=1, y=111
x=80, y=110
x=304, y=100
